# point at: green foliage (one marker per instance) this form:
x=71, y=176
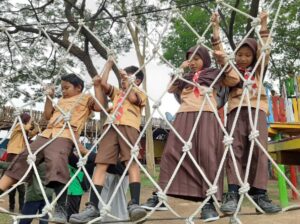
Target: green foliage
x=286, y=42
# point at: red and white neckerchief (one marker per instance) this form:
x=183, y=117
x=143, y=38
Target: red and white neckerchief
x=120, y=110
x=247, y=73
x=195, y=80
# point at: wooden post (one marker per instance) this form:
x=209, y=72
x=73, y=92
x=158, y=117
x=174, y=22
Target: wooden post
x=293, y=173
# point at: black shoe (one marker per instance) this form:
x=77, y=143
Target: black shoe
x=263, y=201
x=89, y=213
x=230, y=202
x=60, y=215
x=136, y=212
x=209, y=213
x=152, y=202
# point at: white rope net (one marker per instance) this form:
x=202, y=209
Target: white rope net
x=154, y=47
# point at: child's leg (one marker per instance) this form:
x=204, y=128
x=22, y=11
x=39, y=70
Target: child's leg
x=12, y=201
x=134, y=183
x=6, y=182
x=19, y=165
x=29, y=208
x=21, y=192
x=98, y=180
x=73, y=204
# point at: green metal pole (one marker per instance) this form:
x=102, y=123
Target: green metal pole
x=283, y=193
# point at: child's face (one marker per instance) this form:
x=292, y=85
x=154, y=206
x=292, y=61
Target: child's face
x=69, y=90
x=244, y=57
x=196, y=63
x=124, y=82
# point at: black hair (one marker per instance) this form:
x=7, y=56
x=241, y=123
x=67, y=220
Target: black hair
x=73, y=79
x=132, y=69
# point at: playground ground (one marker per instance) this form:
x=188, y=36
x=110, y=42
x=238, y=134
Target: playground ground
x=185, y=208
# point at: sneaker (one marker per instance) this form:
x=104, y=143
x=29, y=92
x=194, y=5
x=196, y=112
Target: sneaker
x=152, y=202
x=209, y=213
x=89, y=213
x=230, y=202
x=60, y=215
x=136, y=212
x=263, y=201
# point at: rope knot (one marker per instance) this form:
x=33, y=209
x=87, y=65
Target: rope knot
x=254, y=134
x=105, y=210
x=81, y=162
x=47, y=208
x=155, y=50
x=31, y=158
x=17, y=113
x=189, y=220
x=244, y=188
x=39, y=26
x=110, y=53
x=156, y=104
x=174, y=9
x=3, y=28
x=248, y=83
x=208, y=91
x=255, y=22
x=81, y=22
x=135, y=151
x=131, y=79
x=62, y=61
x=230, y=57
x=162, y=196
x=179, y=72
x=88, y=85
x=266, y=47
x=212, y=190
x=111, y=119
x=67, y=117
x=228, y=140
x=187, y=146
x=201, y=40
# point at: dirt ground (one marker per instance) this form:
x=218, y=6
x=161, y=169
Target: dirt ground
x=185, y=208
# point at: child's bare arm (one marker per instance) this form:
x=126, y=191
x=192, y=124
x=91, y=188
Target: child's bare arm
x=48, y=109
x=216, y=42
x=231, y=77
x=264, y=33
x=107, y=67
x=98, y=93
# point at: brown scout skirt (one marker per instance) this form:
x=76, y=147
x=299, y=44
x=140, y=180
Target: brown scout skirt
x=207, y=149
x=55, y=156
x=258, y=175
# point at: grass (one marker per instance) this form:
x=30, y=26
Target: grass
x=5, y=219
x=146, y=181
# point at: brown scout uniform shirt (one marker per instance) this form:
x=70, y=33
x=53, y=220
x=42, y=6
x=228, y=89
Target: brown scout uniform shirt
x=79, y=116
x=191, y=103
x=16, y=144
x=132, y=113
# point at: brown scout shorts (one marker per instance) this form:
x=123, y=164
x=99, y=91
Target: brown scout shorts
x=113, y=147
x=55, y=156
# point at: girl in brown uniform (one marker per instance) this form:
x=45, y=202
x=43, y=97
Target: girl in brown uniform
x=246, y=58
x=207, y=148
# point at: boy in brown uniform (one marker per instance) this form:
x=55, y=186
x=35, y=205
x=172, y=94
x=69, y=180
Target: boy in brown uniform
x=246, y=58
x=55, y=154
x=15, y=146
x=113, y=147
